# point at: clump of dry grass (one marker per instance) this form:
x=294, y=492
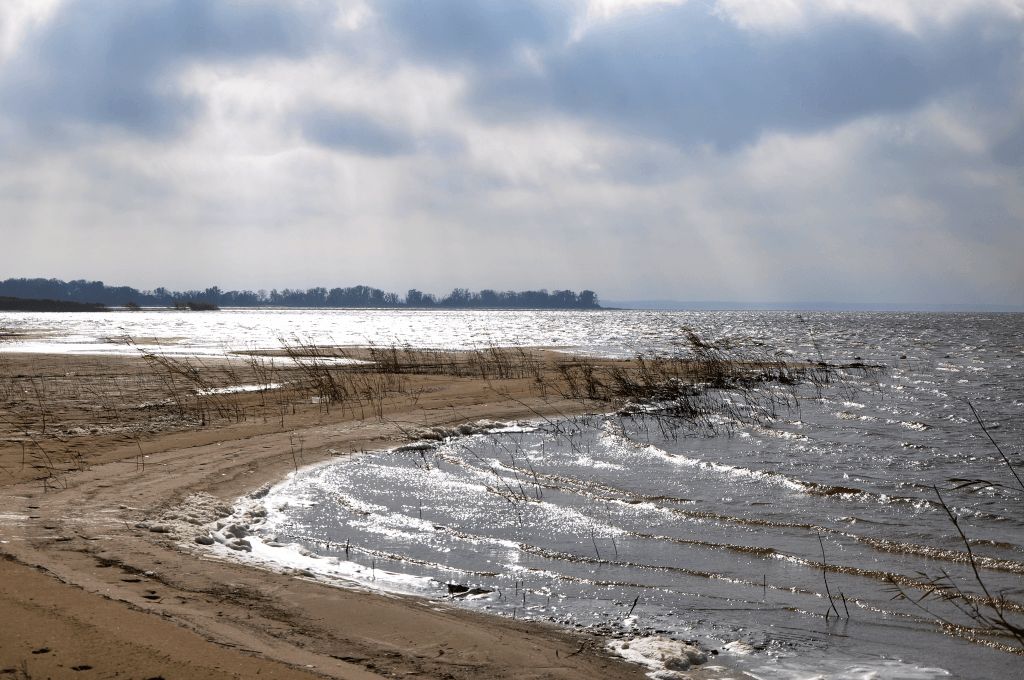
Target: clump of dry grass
x=46, y=414
x=704, y=383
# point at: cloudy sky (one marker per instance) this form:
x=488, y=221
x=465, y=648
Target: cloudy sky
x=764, y=150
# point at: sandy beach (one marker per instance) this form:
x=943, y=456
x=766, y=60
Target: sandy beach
x=93, y=582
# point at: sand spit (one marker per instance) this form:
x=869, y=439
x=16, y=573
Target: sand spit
x=92, y=529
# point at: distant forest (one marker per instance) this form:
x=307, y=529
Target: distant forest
x=96, y=292
x=10, y=304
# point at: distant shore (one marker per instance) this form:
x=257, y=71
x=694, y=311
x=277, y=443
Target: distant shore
x=350, y=297
x=10, y=304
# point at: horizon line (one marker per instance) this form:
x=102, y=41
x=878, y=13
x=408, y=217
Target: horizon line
x=659, y=304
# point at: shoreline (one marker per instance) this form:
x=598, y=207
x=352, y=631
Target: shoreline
x=231, y=620
x=665, y=658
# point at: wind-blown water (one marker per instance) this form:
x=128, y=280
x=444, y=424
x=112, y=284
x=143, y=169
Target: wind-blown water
x=713, y=537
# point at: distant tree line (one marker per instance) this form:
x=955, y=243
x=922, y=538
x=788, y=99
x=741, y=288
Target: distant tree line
x=13, y=304
x=96, y=292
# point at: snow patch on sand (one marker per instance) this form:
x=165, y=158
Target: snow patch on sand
x=238, y=389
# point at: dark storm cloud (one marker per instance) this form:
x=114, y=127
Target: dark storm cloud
x=112, y=63
x=348, y=131
x=690, y=75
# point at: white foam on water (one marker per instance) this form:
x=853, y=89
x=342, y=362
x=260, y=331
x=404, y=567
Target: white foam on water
x=293, y=559
x=795, y=668
x=616, y=440
x=252, y=514
x=587, y=461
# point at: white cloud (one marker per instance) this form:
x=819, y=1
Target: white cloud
x=18, y=18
